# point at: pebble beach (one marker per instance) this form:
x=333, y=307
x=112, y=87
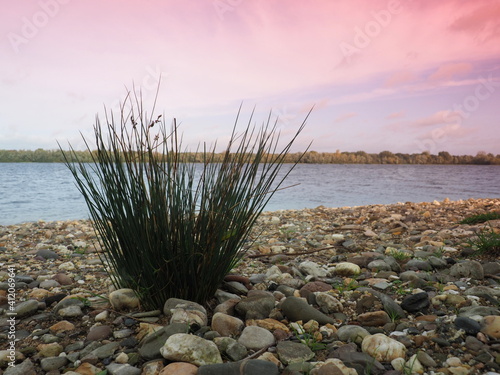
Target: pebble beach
x=378, y=289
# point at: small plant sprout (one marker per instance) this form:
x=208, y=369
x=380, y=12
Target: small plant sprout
x=486, y=242
x=393, y=315
x=400, y=255
x=308, y=334
x=481, y=218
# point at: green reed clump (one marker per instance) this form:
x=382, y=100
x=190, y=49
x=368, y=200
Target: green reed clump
x=166, y=228
x=486, y=242
x=481, y=218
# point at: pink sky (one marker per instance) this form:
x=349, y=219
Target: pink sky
x=399, y=75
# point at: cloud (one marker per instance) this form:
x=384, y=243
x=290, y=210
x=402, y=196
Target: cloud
x=448, y=71
x=437, y=118
x=447, y=133
x=399, y=78
x=483, y=22
x=443, y=137
x=344, y=117
x=395, y=115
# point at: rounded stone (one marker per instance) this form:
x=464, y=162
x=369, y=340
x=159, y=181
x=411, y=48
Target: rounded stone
x=246, y=367
x=49, y=350
x=122, y=369
x=296, y=309
x=383, y=348
x=313, y=269
x=347, y=269
x=256, y=338
x=67, y=302
x=26, y=308
x=374, y=319
x=5, y=354
x=293, y=352
x=53, y=363
x=470, y=326
x=67, y=266
x=417, y=264
x=469, y=268
x=102, y=316
x=227, y=307
x=227, y=325
x=269, y=324
x=378, y=265
x=39, y=294
x=179, y=368
x=352, y=333
x=70, y=311
x=258, y=305
x=62, y=326
x=236, y=351
x=47, y=254
x=63, y=279
x=183, y=347
x=491, y=326
x=49, y=284
x=188, y=316
x=415, y=365
x=123, y=299
x=98, y=333
x=425, y=359
x=121, y=358
x=314, y=286
x=334, y=366
x=415, y=302
x=174, y=304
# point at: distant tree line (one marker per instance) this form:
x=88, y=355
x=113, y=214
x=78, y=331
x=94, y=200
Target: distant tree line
x=311, y=157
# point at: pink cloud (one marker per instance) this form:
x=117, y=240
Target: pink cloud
x=448, y=71
x=483, y=22
x=437, y=118
x=447, y=133
x=399, y=78
x=344, y=117
x=395, y=115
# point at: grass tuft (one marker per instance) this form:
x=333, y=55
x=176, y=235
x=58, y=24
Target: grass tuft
x=481, y=218
x=170, y=227
x=486, y=243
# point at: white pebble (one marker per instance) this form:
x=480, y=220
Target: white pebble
x=67, y=266
x=121, y=358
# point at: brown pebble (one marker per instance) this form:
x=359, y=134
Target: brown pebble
x=374, y=319
x=420, y=340
x=426, y=318
x=314, y=286
x=179, y=368
x=62, y=326
x=63, y=279
x=280, y=335
x=98, y=333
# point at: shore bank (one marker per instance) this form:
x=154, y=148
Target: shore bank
x=395, y=276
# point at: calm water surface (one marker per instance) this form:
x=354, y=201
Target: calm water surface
x=38, y=191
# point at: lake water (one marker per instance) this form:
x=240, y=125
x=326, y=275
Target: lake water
x=39, y=191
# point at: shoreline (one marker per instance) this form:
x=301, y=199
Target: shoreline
x=463, y=202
